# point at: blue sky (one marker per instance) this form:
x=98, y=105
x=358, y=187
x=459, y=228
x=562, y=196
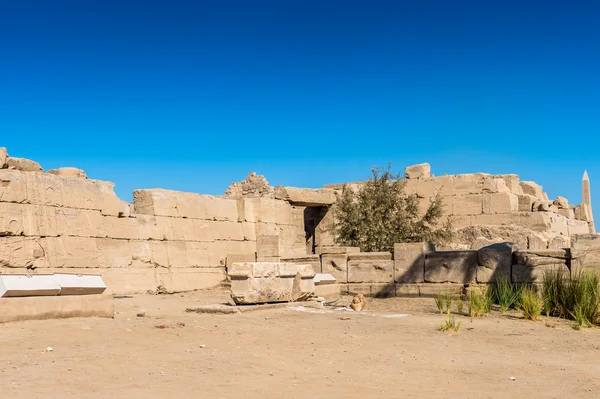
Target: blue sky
x=192, y=95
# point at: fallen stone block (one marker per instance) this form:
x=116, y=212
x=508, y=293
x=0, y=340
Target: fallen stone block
x=56, y=307
x=15, y=285
x=419, y=171
x=263, y=282
x=79, y=284
x=451, y=267
x=24, y=165
x=494, y=262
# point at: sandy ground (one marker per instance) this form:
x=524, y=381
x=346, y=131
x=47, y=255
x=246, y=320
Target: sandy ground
x=295, y=354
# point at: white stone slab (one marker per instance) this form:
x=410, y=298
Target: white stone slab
x=324, y=278
x=80, y=284
x=19, y=285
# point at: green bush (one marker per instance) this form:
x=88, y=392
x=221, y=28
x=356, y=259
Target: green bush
x=378, y=213
x=531, y=304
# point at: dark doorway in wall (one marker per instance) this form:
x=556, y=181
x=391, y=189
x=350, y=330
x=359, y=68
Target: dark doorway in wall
x=312, y=217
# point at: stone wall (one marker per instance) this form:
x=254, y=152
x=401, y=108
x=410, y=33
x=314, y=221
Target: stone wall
x=165, y=240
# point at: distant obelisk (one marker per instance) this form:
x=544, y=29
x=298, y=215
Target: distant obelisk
x=586, y=199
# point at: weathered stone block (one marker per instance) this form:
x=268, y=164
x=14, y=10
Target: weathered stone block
x=23, y=164
x=470, y=204
x=337, y=250
x=451, y=267
x=240, y=258
x=495, y=185
x=407, y=290
x=22, y=252
x=141, y=254
x=355, y=289
x=409, y=262
x=189, y=279
x=3, y=156
x=467, y=184
x=536, y=242
x=73, y=252
x=306, y=196
x=313, y=260
x=79, y=222
x=267, y=245
x=259, y=282
x=513, y=183
x=494, y=262
x=13, y=186
x=371, y=256
x=370, y=271
x=500, y=203
x=585, y=251
x=113, y=253
x=76, y=193
x=419, y=171
x=432, y=290
x=533, y=189
x=42, y=308
x=541, y=257
x=336, y=265
x=526, y=202
x=68, y=172
x=535, y=274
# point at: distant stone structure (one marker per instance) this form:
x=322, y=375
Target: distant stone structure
x=64, y=222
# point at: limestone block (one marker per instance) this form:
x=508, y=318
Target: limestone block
x=469, y=184
x=126, y=280
x=72, y=252
x=3, y=156
x=219, y=250
x=198, y=254
x=272, y=211
x=581, y=212
x=186, y=205
x=444, y=185
x=13, y=186
x=407, y=290
x=246, y=211
x=44, y=189
x=79, y=193
x=561, y=202
x=222, y=209
x=577, y=227
x=240, y=258
x=585, y=251
x=79, y=284
x=495, y=185
x=159, y=254
x=409, y=262
x=541, y=257
x=337, y=250
x=69, y=172
x=500, y=202
x=79, y=222
x=141, y=254
x=154, y=202
x=249, y=231
x=14, y=285
x=22, y=252
x=536, y=242
x=526, y=202
x=181, y=280
x=185, y=229
x=370, y=256
x=533, y=189
x=535, y=274
x=422, y=170
x=227, y=230
x=177, y=253
x=568, y=213
x=267, y=245
x=370, y=271
x=261, y=282
x=427, y=290
x=203, y=230
x=313, y=260
x=451, y=267
x=426, y=187
x=128, y=228
x=494, y=262
x=11, y=219
x=113, y=253
x=513, y=183
x=469, y=204
x=307, y=196
x=336, y=265
x=559, y=242
x=329, y=292
x=23, y=164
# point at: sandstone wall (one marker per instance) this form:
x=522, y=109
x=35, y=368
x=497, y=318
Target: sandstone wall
x=63, y=222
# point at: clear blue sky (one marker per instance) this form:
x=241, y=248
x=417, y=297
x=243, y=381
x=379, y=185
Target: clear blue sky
x=193, y=95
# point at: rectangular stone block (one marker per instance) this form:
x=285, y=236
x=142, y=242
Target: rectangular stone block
x=495, y=185
x=185, y=229
x=370, y=256
x=513, y=183
x=11, y=219
x=585, y=251
x=79, y=284
x=432, y=290
x=469, y=204
x=108, y=252
x=407, y=290
x=28, y=285
x=177, y=254
x=267, y=245
x=141, y=254
x=451, y=267
x=313, y=260
x=468, y=184
x=409, y=262
x=336, y=265
x=533, y=189
x=526, y=202
x=306, y=196
x=76, y=193
x=189, y=279
x=501, y=202
x=535, y=274
x=22, y=252
x=56, y=307
x=240, y=258
x=370, y=271
x=385, y=290
x=494, y=262
x=362, y=288
x=80, y=222
x=13, y=186
x=328, y=291
x=75, y=252
x=337, y=250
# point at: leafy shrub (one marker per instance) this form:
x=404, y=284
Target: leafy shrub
x=378, y=213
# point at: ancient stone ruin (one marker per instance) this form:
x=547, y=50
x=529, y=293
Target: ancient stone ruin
x=63, y=222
